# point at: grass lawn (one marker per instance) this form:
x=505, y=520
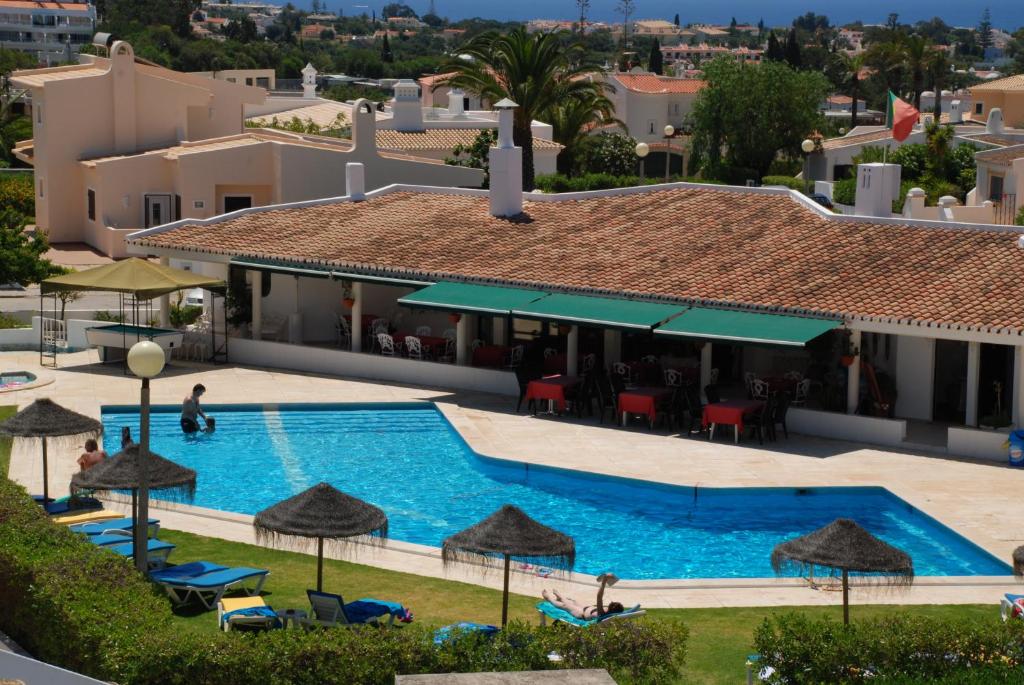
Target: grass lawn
x=6, y=412
x=720, y=639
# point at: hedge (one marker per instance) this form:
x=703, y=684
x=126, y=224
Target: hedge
x=77, y=606
x=17, y=192
x=901, y=648
x=559, y=183
x=788, y=181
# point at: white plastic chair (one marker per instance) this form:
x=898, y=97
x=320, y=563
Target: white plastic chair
x=793, y=376
x=714, y=376
x=515, y=357
x=343, y=332
x=589, y=362
x=803, y=388
x=623, y=371
x=649, y=359
x=673, y=378
x=386, y=344
x=550, y=352
x=423, y=330
x=413, y=347
x=272, y=327
x=475, y=344
x=449, y=334
x=758, y=389
x=449, y=351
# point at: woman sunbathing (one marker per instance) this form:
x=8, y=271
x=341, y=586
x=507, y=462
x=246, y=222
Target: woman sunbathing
x=590, y=611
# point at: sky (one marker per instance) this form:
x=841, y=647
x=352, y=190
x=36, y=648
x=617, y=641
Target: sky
x=1005, y=13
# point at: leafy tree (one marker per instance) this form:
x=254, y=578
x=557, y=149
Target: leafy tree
x=937, y=140
x=243, y=30
x=397, y=9
x=327, y=34
x=120, y=15
x=537, y=72
x=572, y=121
x=811, y=22
x=676, y=20
x=609, y=153
x=984, y=30
x=792, y=50
x=476, y=155
x=21, y=255
x=733, y=139
x=654, y=60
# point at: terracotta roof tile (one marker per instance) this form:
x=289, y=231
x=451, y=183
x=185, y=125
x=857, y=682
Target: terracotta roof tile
x=707, y=244
x=1001, y=155
x=651, y=83
x=442, y=139
x=857, y=139
x=1008, y=83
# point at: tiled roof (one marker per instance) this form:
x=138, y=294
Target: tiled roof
x=33, y=78
x=323, y=114
x=1009, y=83
x=431, y=79
x=442, y=139
x=857, y=139
x=995, y=139
x=1002, y=155
x=67, y=6
x=651, y=83
x=706, y=244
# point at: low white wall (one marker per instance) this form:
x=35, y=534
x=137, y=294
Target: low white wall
x=869, y=429
x=28, y=338
x=977, y=443
x=342, y=363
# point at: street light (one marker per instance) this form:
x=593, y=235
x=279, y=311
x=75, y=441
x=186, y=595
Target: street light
x=669, y=131
x=642, y=150
x=146, y=360
x=808, y=147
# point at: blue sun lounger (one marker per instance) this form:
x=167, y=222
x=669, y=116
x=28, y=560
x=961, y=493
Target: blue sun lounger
x=548, y=610
x=157, y=554
x=69, y=506
x=210, y=586
x=124, y=524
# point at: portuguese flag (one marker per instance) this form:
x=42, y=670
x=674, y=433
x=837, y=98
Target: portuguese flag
x=900, y=116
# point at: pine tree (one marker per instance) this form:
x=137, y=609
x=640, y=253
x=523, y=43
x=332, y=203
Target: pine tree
x=792, y=50
x=774, y=52
x=985, y=30
x=654, y=61
x=583, y=6
x=676, y=20
x=760, y=27
x=385, y=49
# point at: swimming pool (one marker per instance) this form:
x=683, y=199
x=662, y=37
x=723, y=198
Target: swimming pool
x=408, y=460
x=15, y=379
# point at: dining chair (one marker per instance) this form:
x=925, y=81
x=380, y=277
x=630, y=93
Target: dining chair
x=779, y=415
x=760, y=422
x=515, y=357
x=802, y=390
x=550, y=352
x=343, y=332
x=449, y=334
x=673, y=378
x=711, y=392
x=423, y=330
x=377, y=326
x=448, y=355
x=475, y=344
x=793, y=376
x=623, y=371
x=713, y=376
x=589, y=362
x=413, y=347
x=649, y=359
x=758, y=389
x=386, y=344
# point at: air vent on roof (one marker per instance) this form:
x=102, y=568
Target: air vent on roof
x=1020, y=242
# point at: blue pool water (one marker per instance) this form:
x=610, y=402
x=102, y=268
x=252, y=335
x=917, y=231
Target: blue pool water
x=409, y=461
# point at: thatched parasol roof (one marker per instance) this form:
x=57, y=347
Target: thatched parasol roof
x=1018, y=561
x=511, y=532
x=322, y=512
x=44, y=418
x=844, y=546
x=121, y=472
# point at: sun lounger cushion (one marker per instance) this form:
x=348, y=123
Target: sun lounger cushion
x=363, y=610
x=113, y=524
x=216, y=579
x=109, y=539
x=87, y=517
x=453, y=631
x=125, y=548
x=183, y=572
x=82, y=504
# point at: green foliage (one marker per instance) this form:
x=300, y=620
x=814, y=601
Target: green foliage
x=608, y=153
x=788, y=181
x=560, y=183
x=844, y=191
x=1019, y=219
x=21, y=254
x=10, y=322
x=901, y=648
x=476, y=155
x=17, y=193
x=122, y=15
x=108, y=316
x=655, y=63
x=730, y=137
x=308, y=126
x=181, y=316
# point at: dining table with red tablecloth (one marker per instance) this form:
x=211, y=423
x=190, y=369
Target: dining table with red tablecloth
x=493, y=356
x=730, y=413
x=555, y=363
x=551, y=388
x=432, y=345
x=366, y=319
x=642, y=401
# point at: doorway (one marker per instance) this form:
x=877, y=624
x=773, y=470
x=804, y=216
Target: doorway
x=232, y=203
x=157, y=209
x=949, y=391
x=995, y=384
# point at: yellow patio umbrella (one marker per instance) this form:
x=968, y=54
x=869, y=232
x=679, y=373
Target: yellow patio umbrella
x=143, y=279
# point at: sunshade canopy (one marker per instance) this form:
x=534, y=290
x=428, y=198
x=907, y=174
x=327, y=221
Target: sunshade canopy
x=754, y=327
x=598, y=311
x=322, y=511
x=470, y=297
x=845, y=546
x=121, y=472
x=141, y=278
x=44, y=418
x=510, y=532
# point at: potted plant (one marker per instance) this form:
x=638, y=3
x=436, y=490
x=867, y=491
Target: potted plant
x=347, y=297
x=455, y=317
x=850, y=350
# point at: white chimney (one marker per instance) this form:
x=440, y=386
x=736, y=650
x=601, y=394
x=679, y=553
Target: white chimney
x=309, y=81
x=955, y=115
x=506, y=166
x=995, y=121
x=407, y=113
x=456, y=106
x=355, y=181
x=877, y=187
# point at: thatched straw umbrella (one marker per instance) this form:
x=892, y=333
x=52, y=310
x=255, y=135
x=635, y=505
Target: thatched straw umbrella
x=1018, y=561
x=121, y=472
x=322, y=513
x=44, y=419
x=509, y=533
x=843, y=546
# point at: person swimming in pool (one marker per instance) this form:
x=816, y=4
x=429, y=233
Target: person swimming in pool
x=191, y=410
x=589, y=611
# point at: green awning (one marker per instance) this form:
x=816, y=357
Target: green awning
x=317, y=271
x=470, y=297
x=598, y=311
x=752, y=327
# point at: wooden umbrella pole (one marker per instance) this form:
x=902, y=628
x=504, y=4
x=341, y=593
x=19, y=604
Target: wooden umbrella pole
x=46, y=480
x=319, y=564
x=504, y=596
x=846, y=597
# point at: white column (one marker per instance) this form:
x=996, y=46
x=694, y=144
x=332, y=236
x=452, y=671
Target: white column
x=257, y=304
x=612, y=346
x=498, y=330
x=1018, y=380
x=853, y=375
x=357, y=317
x=462, y=351
x=572, y=351
x=165, y=301
x=973, y=371
x=705, y=368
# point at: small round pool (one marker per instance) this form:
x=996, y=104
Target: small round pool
x=13, y=380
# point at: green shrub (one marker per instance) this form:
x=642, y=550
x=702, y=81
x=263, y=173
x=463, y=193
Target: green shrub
x=1019, y=219
x=17, y=192
x=844, y=191
x=78, y=606
x=108, y=316
x=901, y=648
x=560, y=183
x=183, y=315
x=788, y=181
x=7, y=321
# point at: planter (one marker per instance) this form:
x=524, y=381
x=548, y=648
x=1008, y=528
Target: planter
x=349, y=302
x=847, y=360
x=455, y=318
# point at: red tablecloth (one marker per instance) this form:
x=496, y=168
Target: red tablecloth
x=643, y=401
x=430, y=343
x=730, y=412
x=491, y=355
x=551, y=388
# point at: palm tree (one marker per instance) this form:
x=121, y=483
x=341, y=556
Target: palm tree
x=13, y=126
x=852, y=66
x=937, y=67
x=571, y=121
x=916, y=52
x=537, y=72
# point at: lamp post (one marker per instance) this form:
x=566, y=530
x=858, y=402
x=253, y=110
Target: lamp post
x=669, y=131
x=808, y=147
x=642, y=150
x=146, y=360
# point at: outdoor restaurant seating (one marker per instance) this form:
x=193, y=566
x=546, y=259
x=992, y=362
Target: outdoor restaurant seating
x=423, y=330
x=413, y=347
x=386, y=344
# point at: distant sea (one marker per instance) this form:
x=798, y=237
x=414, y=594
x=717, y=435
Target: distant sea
x=1006, y=14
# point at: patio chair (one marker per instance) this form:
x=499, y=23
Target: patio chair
x=114, y=525
x=547, y=610
x=713, y=376
x=1011, y=606
x=477, y=342
x=207, y=586
x=649, y=359
x=694, y=409
x=328, y=610
x=795, y=376
x=673, y=378
x=72, y=505
x=803, y=389
x=623, y=371
x=758, y=389
x=386, y=344
x=343, y=332
x=608, y=389
x=760, y=423
x=589, y=362
x=711, y=392
x=449, y=353
x=525, y=374
x=423, y=330
x=515, y=357
x=449, y=334
x=245, y=611
x=413, y=347
x=87, y=517
x=550, y=352
x=273, y=327
x=377, y=326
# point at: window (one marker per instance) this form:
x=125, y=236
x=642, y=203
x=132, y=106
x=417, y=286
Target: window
x=90, y=197
x=39, y=113
x=232, y=203
x=198, y=204
x=995, y=188
x=177, y=208
x=41, y=188
x=978, y=107
x=650, y=127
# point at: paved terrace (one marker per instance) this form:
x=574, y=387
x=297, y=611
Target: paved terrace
x=979, y=500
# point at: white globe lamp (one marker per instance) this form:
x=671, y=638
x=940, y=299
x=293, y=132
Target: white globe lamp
x=146, y=359
x=670, y=131
x=807, y=146
x=642, y=150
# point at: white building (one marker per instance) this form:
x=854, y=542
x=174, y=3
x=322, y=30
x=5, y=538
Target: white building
x=52, y=32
